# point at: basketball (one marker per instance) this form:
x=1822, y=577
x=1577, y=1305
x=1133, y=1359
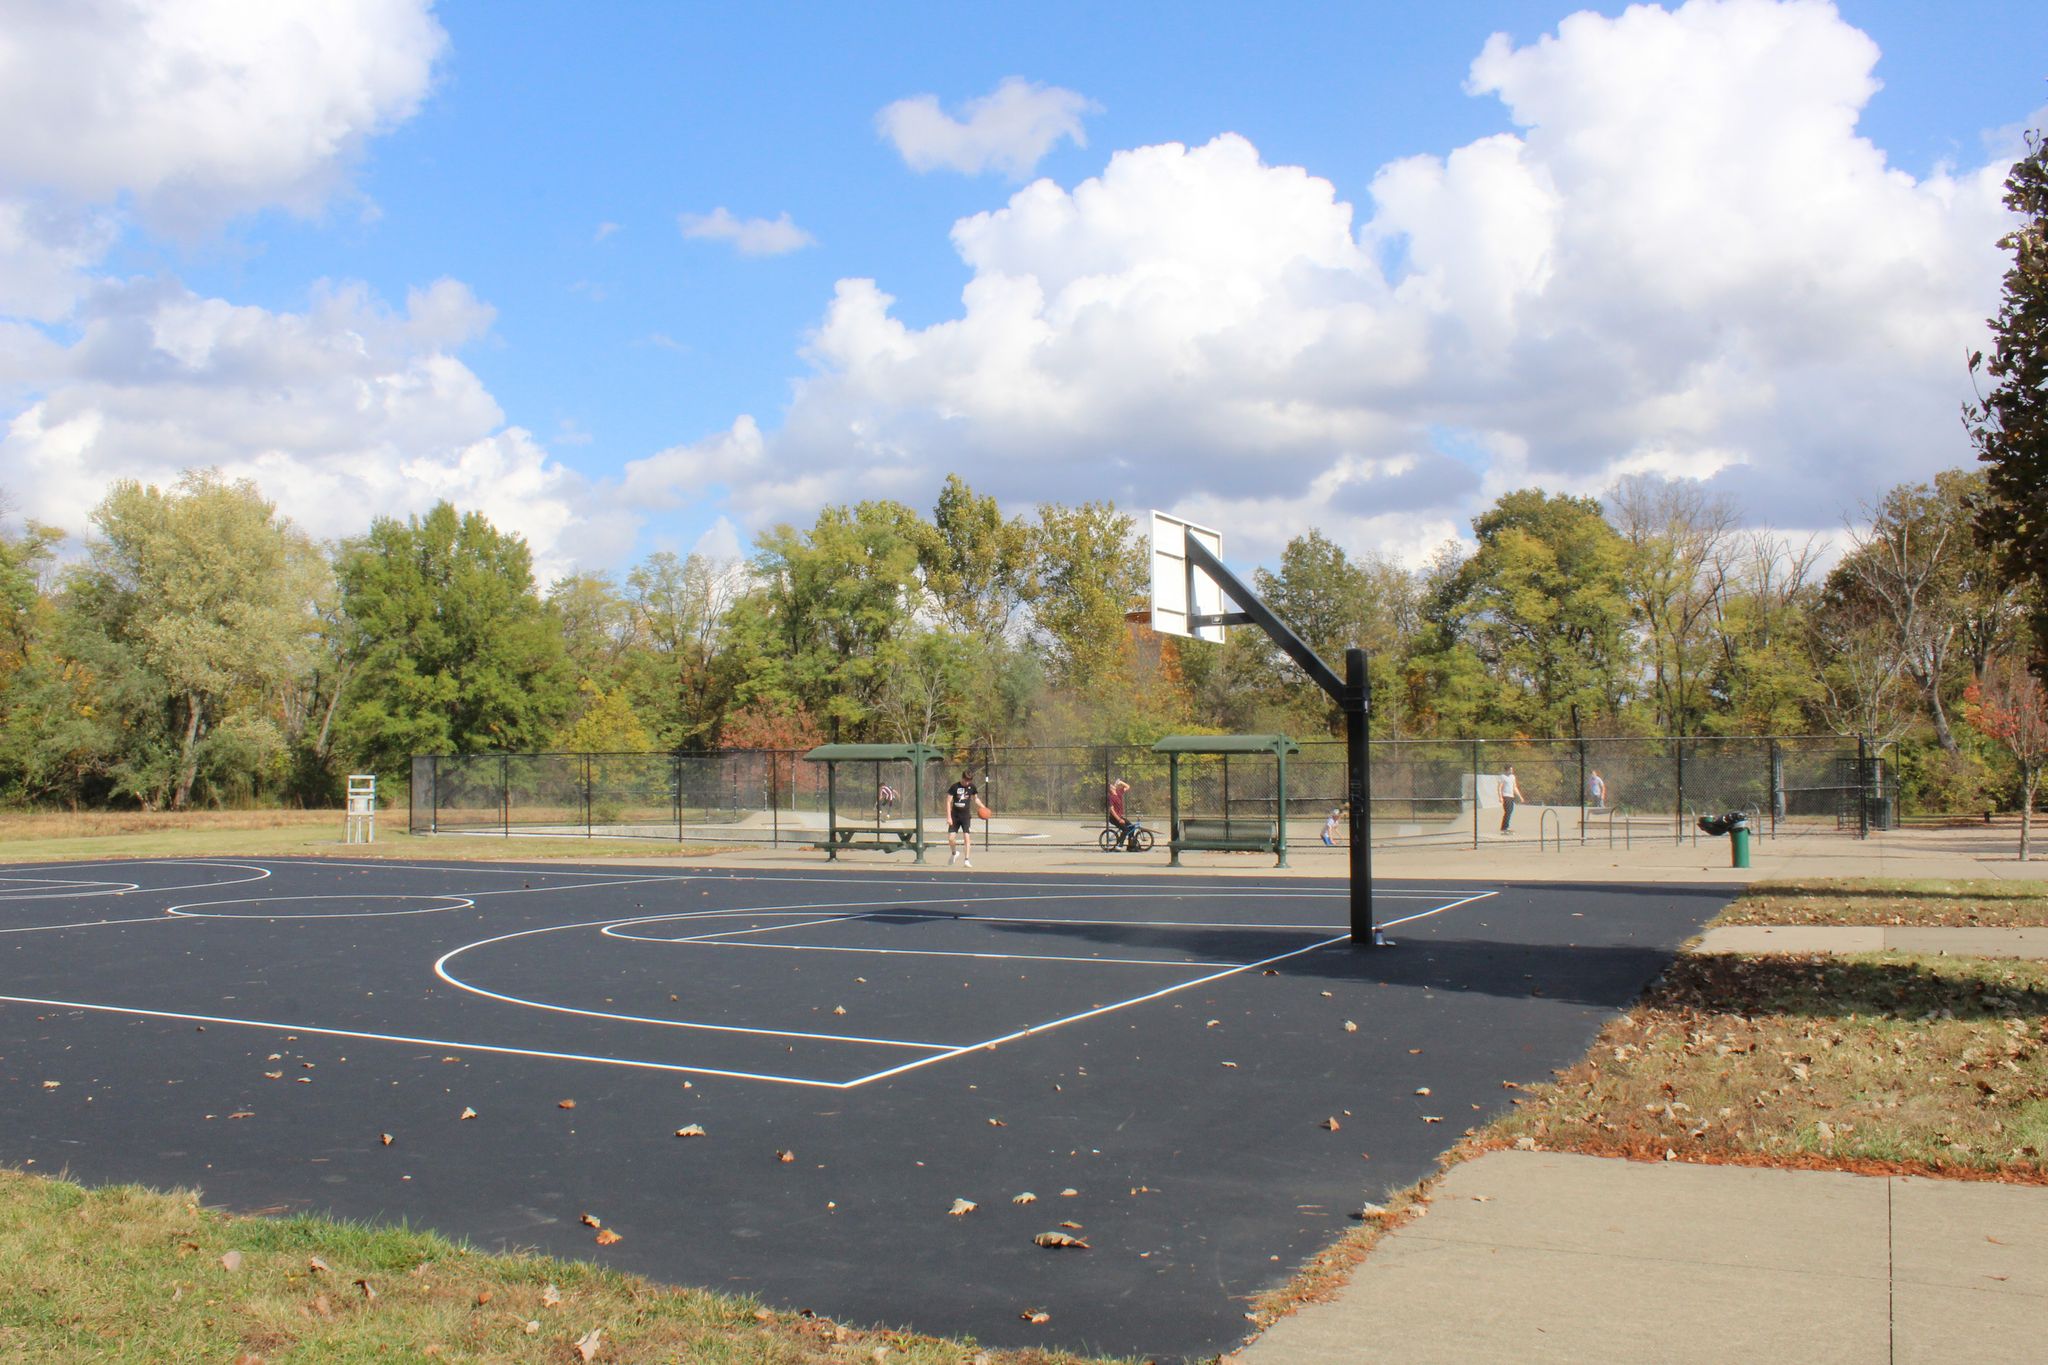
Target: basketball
x=983, y=811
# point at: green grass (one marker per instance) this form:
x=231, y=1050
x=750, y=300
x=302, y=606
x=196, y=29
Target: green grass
x=1890, y=901
x=127, y=1274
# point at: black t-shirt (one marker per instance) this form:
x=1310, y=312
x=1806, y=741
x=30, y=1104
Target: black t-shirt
x=960, y=800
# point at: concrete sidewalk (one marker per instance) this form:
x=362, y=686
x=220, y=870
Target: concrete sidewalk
x=1549, y=1256
x=1965, y=853
x=1897, y=938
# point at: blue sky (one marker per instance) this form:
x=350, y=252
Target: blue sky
x=544, y=163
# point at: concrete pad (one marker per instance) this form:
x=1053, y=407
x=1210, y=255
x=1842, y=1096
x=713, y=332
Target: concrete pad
x=1660, y=1211
x=1940, y=1325
x=1793, y=938
x=1573, y=1258
x=1969, y=942
x=1988, y=1238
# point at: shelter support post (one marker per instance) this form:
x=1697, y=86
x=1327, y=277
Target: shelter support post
x=1173, y=810
x=831, y=811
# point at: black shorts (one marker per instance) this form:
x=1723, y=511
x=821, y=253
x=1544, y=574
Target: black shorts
x=960, y=823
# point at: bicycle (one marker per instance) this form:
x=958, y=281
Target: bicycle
x=1135, y=839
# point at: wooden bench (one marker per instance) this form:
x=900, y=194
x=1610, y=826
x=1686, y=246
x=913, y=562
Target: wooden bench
x=1229, y=836
x=887, y=838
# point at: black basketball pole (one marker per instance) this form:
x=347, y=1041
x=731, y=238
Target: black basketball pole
x=1351, y=693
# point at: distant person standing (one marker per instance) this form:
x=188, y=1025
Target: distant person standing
x=1596, y=787
x=961, y=807
x=1510, y=797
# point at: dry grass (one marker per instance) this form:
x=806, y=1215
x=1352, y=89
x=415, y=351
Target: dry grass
x=123, y=1273
x=23, y=826
x=1839, y=901
x=255, y=834
x=1880, y=1062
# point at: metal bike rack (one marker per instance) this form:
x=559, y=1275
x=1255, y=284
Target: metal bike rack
x=1550, y=820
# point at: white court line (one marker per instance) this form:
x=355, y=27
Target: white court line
x=260, y=871
x=1090, y=1014
x=88, y=924
x=444, y=1044
x=1388, y=924
x=192, y=909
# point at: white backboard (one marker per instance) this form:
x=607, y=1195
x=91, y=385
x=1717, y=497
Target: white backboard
x=1180, y=590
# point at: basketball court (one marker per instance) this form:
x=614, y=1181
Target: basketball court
x=1202, y=1072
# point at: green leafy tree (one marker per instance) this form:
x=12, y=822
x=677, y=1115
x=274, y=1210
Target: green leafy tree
x=606, y=726
x=1089, y=573
x=977, y=563
x=456, y=653
x=200, y=594
x=1761, y=675
x=678, y=611
x=825, y=624
x=1675, y=573
x=2009, y=705
x=1335, y=602
x=596, y=621
x=1543, y=606
x=2009, y=425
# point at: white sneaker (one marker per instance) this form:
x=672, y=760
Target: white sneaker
x=954, y=859
x=970, y=862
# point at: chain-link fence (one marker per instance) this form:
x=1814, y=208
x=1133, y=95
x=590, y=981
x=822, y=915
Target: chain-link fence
x=1614, y=790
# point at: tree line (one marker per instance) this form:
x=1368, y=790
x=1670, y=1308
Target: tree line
x=202, y=651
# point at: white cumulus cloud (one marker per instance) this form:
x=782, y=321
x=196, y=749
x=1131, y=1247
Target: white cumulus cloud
x=776, y=236
x=1010, y=129
x=1679, y=255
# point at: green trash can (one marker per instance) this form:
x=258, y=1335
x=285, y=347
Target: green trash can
x=1738, y=845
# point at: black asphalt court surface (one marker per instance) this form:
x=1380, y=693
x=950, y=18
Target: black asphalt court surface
x=1153, y=1057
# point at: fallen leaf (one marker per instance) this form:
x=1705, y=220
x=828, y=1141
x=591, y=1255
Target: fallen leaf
x=483, y=1296
x=605, y=1237
x=1330, y=1124
x=386, y=1139
x=1070, y=1193
x=368, y=1292
x=1037, y=1317
x=785, y=1156
x=565, y=1104
x=586, y=1345
x=243, y=1114
x=1071, y=1226
x=1432, y=1118
x=1482, y=1199
x=1060, y=1239
x=1212, y=1023
x=690, y=1130
x=318, y=1266
x=1525, y=1144
x=231, y=1261
x=1350, y=1027
x=550, y=1297
x=961, y=1206
x=51, y=1085
x=997, y=1123
x=468, y=1112
x=591, y=1220
x=1372, y=1211
x=273, y=1075
x=839, y=1009
x=532, y=1326
x=1270, y=971
x=1231, y=1065
x=1422, y=1090
x=1025, y=1198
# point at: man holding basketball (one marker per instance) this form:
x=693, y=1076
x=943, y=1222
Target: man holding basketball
x=962, y=806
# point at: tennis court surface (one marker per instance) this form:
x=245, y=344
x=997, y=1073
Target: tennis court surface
x=1155, y=1058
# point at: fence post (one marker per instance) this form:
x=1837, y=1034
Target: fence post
x=1777, y=785
x=505, y=793
x=775, y=797
x=1678, y=811
x=676, y=789
x=1475, y=793
x=589, y=830
x=1582, y=792
x=1862, y=787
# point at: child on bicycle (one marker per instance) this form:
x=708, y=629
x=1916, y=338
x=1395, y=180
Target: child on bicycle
x=1124, y=824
